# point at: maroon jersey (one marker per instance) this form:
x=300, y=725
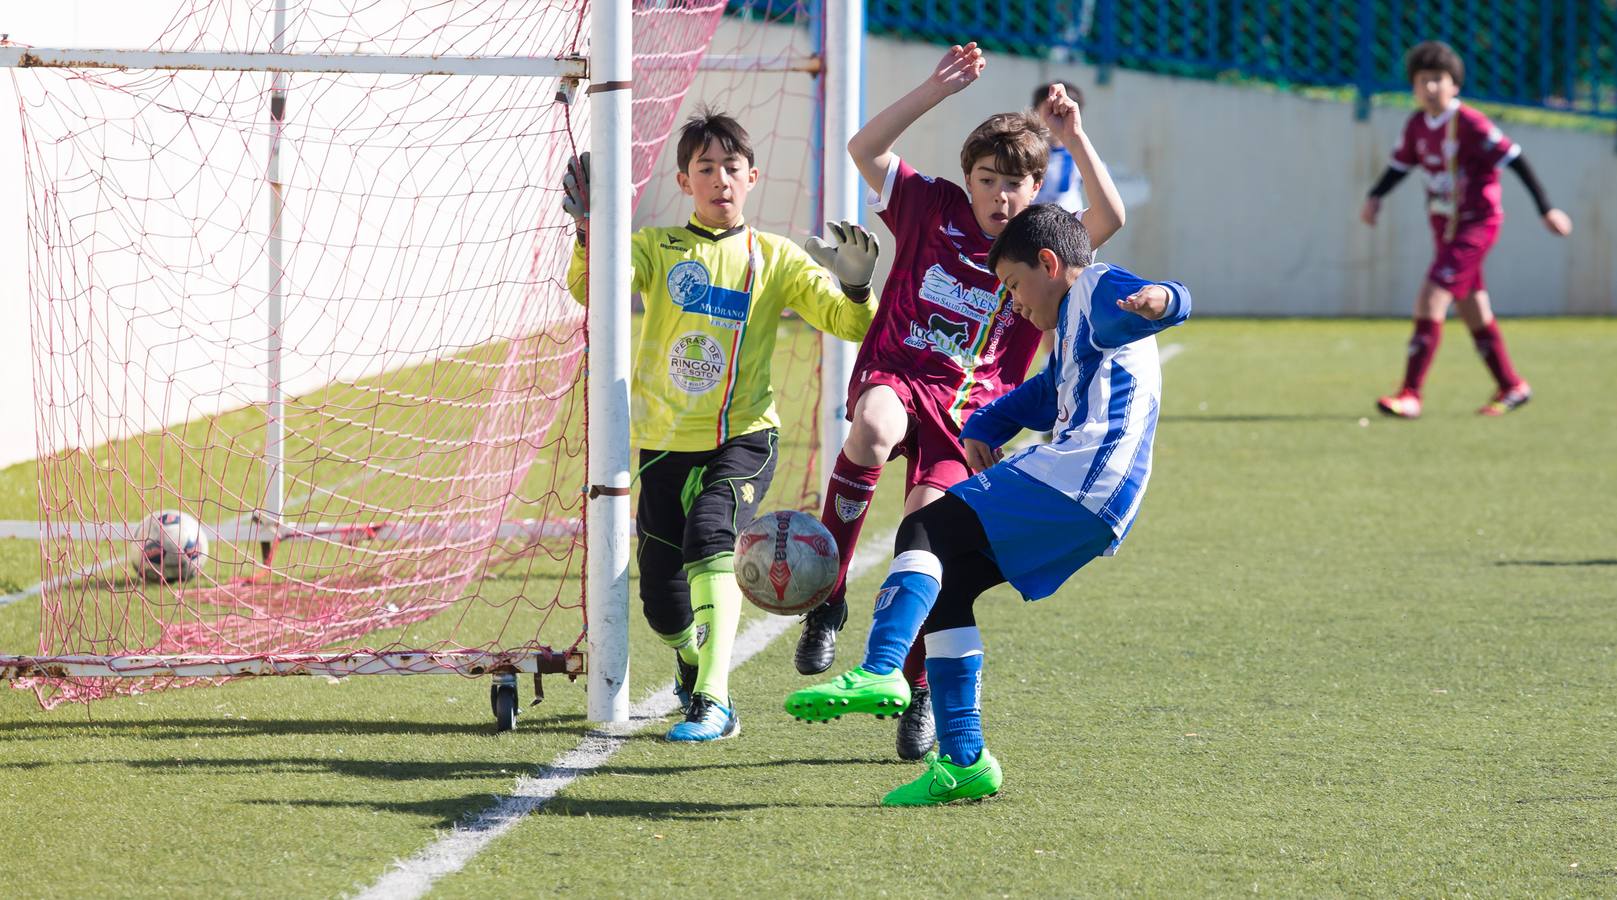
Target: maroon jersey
x=943, y=319
x=1459, y=152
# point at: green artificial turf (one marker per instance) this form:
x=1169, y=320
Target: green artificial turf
x=1339, y=655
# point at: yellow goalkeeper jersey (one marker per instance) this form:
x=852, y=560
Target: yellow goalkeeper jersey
x=713, y=303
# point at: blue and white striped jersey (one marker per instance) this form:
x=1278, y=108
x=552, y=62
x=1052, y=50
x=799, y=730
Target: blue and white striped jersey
x=1099, y=395
x=1063, y=185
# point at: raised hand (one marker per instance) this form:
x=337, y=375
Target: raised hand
x=1060, y=113
x=851, y=253
x=959, y=67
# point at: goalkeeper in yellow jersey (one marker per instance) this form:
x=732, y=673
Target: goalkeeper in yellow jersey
x=703, y=412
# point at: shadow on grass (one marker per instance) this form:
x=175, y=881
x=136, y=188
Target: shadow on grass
x=654, y=809
x=1557, y=562
x=466, y=809
x=174, y=729
x=668, y=769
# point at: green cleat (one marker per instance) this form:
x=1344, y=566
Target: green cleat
x=945, y=782
x=854, y=691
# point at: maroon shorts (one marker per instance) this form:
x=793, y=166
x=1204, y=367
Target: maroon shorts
x=932, y=444
x=1457, y=265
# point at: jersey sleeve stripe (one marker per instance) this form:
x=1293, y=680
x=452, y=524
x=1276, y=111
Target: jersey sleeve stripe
x=878, y=202
x=1129, y=489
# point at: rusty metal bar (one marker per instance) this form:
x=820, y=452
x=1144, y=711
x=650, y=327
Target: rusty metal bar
x=363, y=63
x=337, y=665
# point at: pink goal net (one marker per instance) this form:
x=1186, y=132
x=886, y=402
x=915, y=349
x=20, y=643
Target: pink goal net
x=381, y=434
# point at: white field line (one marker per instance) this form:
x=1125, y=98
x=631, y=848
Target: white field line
x=93, y=571
x=414, y=877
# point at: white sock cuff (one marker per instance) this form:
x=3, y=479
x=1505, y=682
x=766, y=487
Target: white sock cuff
x=924, y=561
x=955, y=643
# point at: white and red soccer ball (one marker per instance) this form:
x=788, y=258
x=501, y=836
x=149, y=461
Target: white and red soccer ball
x=172, y=548
x=786, y=562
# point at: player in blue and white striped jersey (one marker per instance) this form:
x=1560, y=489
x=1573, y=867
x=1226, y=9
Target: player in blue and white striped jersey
x=1031, y=520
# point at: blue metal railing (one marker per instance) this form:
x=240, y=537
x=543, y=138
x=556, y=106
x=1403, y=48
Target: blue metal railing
x=1555, y=54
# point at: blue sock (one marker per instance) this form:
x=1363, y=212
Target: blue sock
x=901, y=606
x=954, y=668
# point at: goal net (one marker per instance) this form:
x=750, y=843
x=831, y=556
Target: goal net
x=324, y=314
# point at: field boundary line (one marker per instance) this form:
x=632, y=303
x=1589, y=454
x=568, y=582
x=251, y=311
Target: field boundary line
x=414, y=877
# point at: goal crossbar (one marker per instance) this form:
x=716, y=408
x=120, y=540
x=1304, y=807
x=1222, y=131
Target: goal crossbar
x=335, y=665
x=571, y=67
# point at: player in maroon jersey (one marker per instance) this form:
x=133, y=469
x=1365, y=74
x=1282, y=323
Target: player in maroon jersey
x=1460, y=153
x=945, y=340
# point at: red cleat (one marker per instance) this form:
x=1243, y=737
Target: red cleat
x=1507, y=400
x=1404, y=405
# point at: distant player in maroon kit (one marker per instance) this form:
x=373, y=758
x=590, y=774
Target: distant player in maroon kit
x=945, y=340
x=1460, y=153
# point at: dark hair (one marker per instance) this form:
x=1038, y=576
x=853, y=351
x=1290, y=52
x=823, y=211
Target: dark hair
x=711, y=125
x=1042, y=93
x=1434, y=55
x=1042, y=226
x=1019, y=144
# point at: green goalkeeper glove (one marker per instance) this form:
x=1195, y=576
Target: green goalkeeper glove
x=852, y=258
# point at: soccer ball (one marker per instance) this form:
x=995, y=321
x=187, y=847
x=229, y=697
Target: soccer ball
x=172, y=548
x=786, y=562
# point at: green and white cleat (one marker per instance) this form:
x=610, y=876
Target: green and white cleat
x=854, y=691
x=945, y=782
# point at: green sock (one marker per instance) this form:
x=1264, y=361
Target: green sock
x=684, y=642
x=713, y=585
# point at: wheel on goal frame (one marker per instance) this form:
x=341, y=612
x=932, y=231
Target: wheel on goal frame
x=502, y=696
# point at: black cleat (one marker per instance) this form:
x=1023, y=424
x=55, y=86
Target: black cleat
x=817, y=645
x=916, y=733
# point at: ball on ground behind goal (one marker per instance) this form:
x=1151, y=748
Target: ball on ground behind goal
x=172, y=548
x=786, y=562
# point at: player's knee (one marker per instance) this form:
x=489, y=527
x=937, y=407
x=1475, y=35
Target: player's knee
x=665, y=595
x=876, y=428
x=668, y=613
x=914, y=533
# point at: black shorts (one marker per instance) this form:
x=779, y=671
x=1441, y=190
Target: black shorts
x=697, y=501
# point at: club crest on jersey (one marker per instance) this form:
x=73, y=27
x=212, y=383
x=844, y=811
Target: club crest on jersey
x=688, y=283
x=848, y=510
x=695, y=363
x=945, y=290
x=884, y=598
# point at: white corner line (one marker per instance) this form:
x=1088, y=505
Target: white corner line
x=414, y=877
